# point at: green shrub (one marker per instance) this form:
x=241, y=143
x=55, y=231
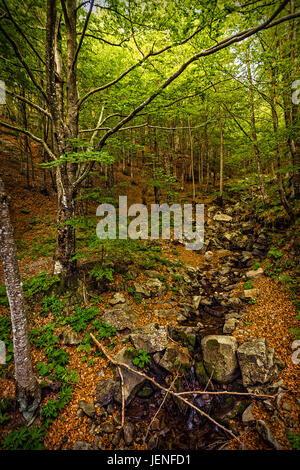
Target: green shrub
x=5, y=336
x=274, y=253
x=248, y=285
x=58, y=356
x=294, y=440
x=141, y=358
x=42, y=248
x=53, y=408
x=52, y=305
x=138, y=298
x=102, y=272
x=3, y=296
x=5, y=405
x=25, y=439
x=82, y=317
x=43, y=337
x=40, y=283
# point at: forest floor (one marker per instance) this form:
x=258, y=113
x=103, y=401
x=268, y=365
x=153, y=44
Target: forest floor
x=271, y=317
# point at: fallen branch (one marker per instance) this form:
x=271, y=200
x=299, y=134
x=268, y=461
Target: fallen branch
x=176, y=395
x=123, y=397
x=160, y=406
x=225, y=392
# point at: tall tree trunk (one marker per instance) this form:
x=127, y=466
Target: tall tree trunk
x=281, y=189
x=26, y=143
x=253, y=127
x=221, y=158
x=192, y=160
x=64, y=128
x=27, y=388
x=294, y=142
x=155, y=164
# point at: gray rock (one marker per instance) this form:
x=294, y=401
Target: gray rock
x=107, y=428
x=257, y=362
x=152, y=273
x=251, y=293
x=129, y=431
x=222, y=218
x=156, y=287
x=132, y=382
x=68, y=336
x=164, y=313
x=196, y=301
x=235, y=315
x=229, y=325
x=267, y=435
x=219, y=356
x=142, y=290
x=105, y=391
x=150, y=338
x=186, y=335
x=247, y=416
x=118, y=298
x=234, y=301
x=287, y=406
x=120, y=317
x=254, y=274
x=175, y=359
x=268, y=405
x=225, y=270
x=88, y=408
x=82, y=445
x=208, y=256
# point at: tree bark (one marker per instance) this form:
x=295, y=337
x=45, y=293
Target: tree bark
x=192, y=160
x=281, y=188
x=27, y=388
x=253, y=128
x=221, y=158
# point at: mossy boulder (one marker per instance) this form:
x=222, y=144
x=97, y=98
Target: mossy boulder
x=219, y=357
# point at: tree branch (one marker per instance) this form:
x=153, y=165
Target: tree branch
x=30, y=103
x=209, y=51
x=137, y=64
x=22, y=33
x=32, y=136
x=24, y=63
x=83, y=33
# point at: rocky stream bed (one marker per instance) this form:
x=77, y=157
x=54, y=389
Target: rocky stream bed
x=196, y=345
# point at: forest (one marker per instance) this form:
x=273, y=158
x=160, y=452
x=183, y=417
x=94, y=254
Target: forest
x=118, y=333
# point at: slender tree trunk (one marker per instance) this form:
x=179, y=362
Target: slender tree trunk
x=192, y=159
x=253, y=127
x=281, y=188
x=221, y=158
x=64, y=128
x=294, y=142
x=26, y=143
x=28, y=391
x=155, y=163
